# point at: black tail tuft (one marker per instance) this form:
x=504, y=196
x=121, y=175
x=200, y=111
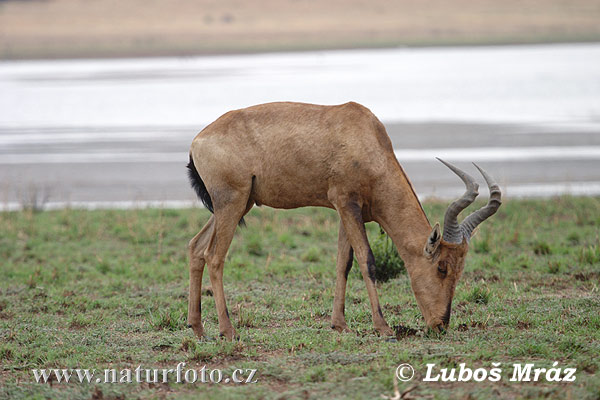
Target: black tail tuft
x=200, y=188
x=198, y=185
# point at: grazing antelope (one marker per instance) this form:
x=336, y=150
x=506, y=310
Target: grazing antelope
x=289, y=155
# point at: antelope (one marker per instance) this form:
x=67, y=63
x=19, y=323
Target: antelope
x=289, y=155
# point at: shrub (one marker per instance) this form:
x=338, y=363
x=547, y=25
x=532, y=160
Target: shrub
x=388, y=263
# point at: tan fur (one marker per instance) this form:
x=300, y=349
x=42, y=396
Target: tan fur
x=289, y=155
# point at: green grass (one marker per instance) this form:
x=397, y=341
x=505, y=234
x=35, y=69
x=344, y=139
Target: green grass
x=108, y=289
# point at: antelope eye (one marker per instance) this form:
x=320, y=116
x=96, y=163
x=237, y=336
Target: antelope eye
x=442, y=269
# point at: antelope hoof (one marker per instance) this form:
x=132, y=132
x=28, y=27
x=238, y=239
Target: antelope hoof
x=386, y=331
x=341, y=328
x=198, y=330
x=229, y=335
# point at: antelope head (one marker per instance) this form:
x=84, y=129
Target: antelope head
x=436, y=273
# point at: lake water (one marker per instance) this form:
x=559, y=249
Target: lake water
x=516, y=84
x=118, y=130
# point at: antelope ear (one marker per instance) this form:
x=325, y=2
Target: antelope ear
x=433, y=241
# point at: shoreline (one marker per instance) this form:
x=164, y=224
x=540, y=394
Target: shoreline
x=161, y=182
x=170, y=53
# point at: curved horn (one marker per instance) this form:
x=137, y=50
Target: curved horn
x=477, y=217
x=452, y=230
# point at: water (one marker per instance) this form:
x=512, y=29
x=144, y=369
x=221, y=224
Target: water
x=116, y=132
x=549, y=84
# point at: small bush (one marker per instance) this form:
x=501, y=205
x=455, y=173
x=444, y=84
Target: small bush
x=388, y=263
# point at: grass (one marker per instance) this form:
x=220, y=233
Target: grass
x=108, y=289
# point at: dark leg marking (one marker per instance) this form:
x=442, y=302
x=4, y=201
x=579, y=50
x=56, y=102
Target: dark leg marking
x=379, y=311
x=200, y=308
x=371, y=265
x=349, y=263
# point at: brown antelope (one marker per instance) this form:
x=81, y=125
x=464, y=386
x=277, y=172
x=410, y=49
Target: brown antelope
x=289, y=155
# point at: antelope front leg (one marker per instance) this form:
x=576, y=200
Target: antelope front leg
x=344, y=264
x=351, y=215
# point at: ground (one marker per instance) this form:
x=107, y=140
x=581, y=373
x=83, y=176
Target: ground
x=108, y=289
x=83, y=28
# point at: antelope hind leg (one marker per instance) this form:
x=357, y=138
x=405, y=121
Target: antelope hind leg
x=227, y=217
x=197, y=247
